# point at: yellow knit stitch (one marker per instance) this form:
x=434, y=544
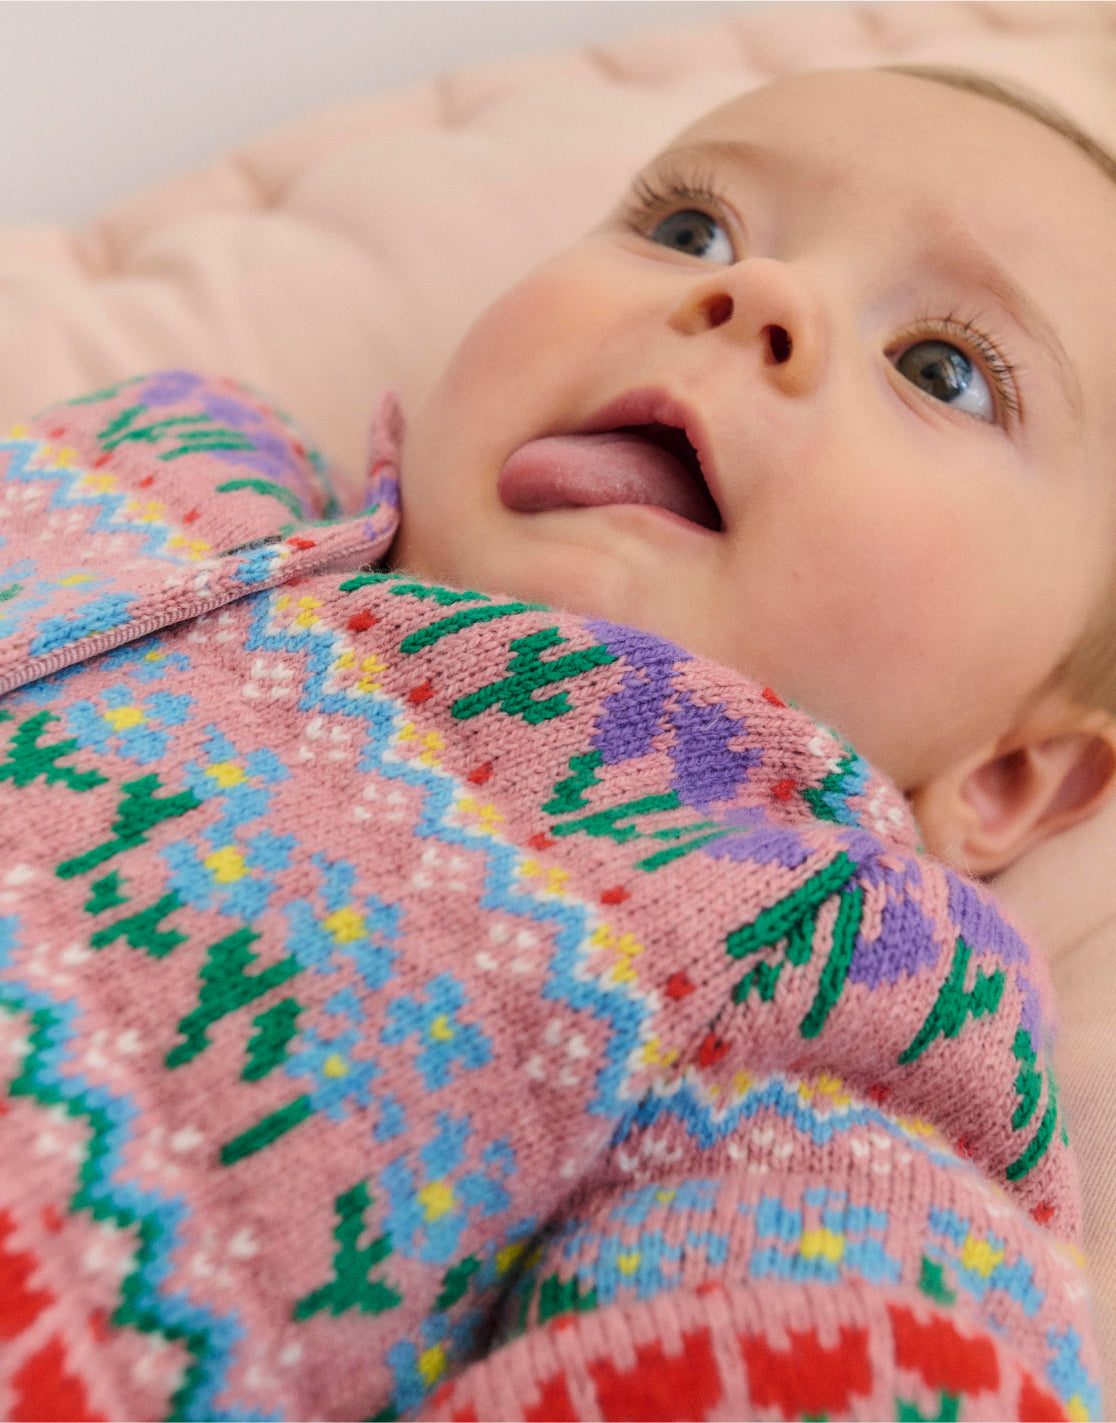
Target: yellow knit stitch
x=193, y=548
x=98, y=483
x=371, y=667
x=436, y=1199
x=225, y=773
x=123, y=718
x=625, y=947
x=227, y=864
x=307, y=618
x=432, y=1364
x=979, y=1256
x=345, y=925
x=507, y=1257
x=826, y=1243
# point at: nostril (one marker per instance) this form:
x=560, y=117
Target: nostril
x=718, y=309
x=779, y=345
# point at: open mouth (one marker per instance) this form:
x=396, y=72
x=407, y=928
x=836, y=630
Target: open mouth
x=650, y=461
x=675, y=443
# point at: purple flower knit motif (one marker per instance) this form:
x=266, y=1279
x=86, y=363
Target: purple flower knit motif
x=418, y=1001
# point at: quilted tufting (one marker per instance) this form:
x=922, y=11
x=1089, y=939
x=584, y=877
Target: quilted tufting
x=347, y=251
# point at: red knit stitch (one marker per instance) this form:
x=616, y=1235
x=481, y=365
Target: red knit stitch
x=1036, y=1406
x=945, y=1358
x=20, y=1305
x=46, y=1393
x=678, y=985
x=554, y=1405
x=807, y=1378
x=51, y=1218
x=664, y=1387
x=712, y=1049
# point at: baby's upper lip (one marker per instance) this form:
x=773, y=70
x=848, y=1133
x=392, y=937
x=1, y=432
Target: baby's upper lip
x=651, y=405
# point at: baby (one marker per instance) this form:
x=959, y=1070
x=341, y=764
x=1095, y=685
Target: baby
x=834, y=301
x=420, y=1001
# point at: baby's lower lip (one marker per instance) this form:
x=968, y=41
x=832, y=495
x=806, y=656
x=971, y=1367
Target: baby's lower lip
x=595, y=470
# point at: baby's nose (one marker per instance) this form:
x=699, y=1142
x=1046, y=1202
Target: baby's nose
x=767, y=306
x=719, y=309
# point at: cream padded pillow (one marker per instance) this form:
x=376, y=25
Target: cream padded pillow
x=347, y=252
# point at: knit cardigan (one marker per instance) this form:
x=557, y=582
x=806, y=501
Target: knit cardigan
x=421, y=1002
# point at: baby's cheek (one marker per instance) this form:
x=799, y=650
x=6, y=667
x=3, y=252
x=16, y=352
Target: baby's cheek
x=951, y=622
x=897, y=576
x=527, y=334
x=904, y=628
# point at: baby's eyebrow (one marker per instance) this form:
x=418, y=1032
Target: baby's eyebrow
x=732, y=150
x=956, y=252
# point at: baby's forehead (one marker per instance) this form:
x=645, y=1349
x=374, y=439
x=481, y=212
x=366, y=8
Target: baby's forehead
x=966, y=142
x=942, y=97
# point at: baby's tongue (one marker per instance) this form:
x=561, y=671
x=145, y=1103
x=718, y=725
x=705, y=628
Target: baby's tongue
x=613, y=467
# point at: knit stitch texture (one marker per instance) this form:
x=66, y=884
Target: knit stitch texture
x=419, y=1002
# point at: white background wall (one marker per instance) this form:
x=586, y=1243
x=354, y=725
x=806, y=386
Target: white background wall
x=100, y=98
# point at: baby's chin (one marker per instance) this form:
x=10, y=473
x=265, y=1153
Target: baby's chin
x=591, y=571
x=590, y=580
x=550, y=580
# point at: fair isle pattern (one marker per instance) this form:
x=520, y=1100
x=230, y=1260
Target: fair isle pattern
x=160, y=498
x=418, y=1001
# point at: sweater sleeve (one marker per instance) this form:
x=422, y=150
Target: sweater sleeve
x=164, y=497
x=727, y=1297
x=720, y=1353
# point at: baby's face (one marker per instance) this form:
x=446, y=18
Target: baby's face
x=883, y=312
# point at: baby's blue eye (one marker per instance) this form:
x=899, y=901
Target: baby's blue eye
x=695, y=233
x=946, y=372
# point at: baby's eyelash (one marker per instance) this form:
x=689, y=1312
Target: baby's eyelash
x=967, y=331
x=654, y=195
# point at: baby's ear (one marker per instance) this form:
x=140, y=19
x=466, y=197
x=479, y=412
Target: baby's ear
x=1054, y=770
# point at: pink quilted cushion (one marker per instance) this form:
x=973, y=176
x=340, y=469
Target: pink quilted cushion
x=348, y=251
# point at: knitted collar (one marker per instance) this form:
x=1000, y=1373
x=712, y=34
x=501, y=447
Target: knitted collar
x=839, y=785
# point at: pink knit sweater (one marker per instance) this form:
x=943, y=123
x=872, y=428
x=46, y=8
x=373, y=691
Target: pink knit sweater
x=415, y=1001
